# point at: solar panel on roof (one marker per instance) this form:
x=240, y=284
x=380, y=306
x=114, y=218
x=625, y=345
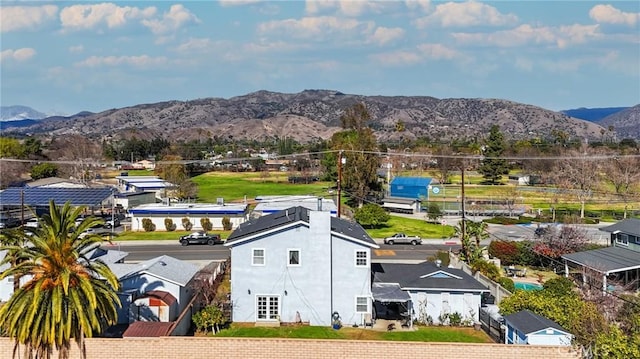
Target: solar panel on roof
x=40, y=196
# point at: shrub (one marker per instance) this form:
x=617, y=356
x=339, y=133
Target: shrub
x=487, y=268
x=506, y=251
x=226, y=223
x=148, y=225
x=526, y=255
x=169, y=225
x=455, y=318
x=186, y=224
x=507, y=220
x=206, y=224
x=558, y=286
x=371, y=215
x=210, y=317
x=507, y=283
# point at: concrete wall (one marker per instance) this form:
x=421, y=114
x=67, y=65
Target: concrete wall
x=241, y=348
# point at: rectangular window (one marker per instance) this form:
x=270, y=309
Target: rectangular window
x=268, y=308
x=362, y=259
x=294, y=257
x=362, y=305
x=257, y=258
x=622, y=239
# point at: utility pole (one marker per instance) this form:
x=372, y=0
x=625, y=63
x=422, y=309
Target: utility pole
x=340, y=159
x=462, y=225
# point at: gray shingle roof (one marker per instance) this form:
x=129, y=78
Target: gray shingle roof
x=628, y=226
x=606, y=260
x=164, y=267
x=425, y=276
x=528, y=322
x=292, y=215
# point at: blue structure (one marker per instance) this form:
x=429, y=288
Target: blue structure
x=526, y=327
x=411, y=187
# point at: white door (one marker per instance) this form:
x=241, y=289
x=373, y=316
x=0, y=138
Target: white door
x=267, y=307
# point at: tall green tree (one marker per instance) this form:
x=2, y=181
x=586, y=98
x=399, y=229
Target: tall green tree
x=371, y=215
x=68, y=297
x=493, y=167
x=358, y=145
x=44, y=170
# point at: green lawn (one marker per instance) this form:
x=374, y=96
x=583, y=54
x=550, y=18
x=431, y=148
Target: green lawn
x=423, y=334
x=235, y=186
x=414, y=227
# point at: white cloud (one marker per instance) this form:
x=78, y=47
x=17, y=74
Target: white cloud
x=175, y=18
x=20, y=55
x=385, y=35
x=607, y=14
x=227, y=3
x=424, y=52
x=527, y=34
x=419, y=5
x=471, y=13
x=437, y=52
x=351, y=8
x=137, y=61
x=83, y=17
x=316, y=28
x=14, y=18
x=76, y=49
x=397, y=58
x=195, y=45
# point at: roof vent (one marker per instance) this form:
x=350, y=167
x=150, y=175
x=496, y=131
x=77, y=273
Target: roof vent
x=438, y=263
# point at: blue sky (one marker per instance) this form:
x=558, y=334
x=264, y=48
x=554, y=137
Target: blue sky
x=71, y=56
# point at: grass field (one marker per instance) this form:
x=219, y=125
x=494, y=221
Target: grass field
x=414, y=227
x=423, y=334
x=236, y=186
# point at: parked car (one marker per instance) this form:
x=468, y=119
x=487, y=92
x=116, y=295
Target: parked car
x=111, y=223
x=32, y=223
x=200, y=237
x=8, y=222
x=541, y=231
x=402, y=238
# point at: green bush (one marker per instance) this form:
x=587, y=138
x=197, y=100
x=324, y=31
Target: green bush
x=371, y=215
x=558, y=286
x=186, y=224
x=455, y=319
x=508, y=220
x=206, y=224
x=507, y=283
x=148, y=225
x=226, y=223
x=169, y=225
x=487, y=268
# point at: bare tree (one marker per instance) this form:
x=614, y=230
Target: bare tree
x=623, y=173
x=81, y=151
x=579, y=175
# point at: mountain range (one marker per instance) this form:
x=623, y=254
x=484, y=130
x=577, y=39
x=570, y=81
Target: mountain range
x=315, y=114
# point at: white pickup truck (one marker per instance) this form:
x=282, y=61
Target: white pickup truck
x=403, y=238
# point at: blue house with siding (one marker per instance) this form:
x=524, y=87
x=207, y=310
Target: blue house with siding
x=411, y=187
x=526, y=327
x=300, y=265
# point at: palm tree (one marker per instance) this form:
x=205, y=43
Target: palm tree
x=12, y=240
x=67, y=296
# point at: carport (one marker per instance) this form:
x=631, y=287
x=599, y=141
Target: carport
x=610, y=261
x=392, y=303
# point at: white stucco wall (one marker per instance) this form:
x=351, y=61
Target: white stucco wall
x=305, y=289
x=431, y=304
x=146, y=282
x=158, y=220
x=555, y=338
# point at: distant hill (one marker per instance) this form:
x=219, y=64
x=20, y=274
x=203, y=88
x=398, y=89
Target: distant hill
x=16, y=113
x=15, y=125
x=626, y=123
x=315, y=114
x=592, y=114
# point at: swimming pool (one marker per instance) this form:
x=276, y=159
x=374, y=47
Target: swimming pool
x=527, y=286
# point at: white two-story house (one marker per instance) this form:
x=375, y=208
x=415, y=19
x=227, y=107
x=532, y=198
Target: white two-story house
x=299, y=265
